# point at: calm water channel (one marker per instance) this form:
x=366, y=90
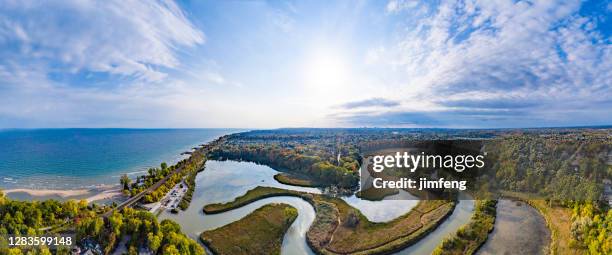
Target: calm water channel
x=222, y=181
x=519, y=229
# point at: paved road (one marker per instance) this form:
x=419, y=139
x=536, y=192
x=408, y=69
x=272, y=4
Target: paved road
x=140, y=195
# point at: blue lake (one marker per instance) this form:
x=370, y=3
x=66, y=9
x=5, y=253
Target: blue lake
x=83, y=158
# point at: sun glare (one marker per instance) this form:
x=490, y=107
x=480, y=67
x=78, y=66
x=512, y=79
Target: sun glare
x=326, y=72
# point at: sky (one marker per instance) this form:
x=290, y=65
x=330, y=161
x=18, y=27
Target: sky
x=271, y=64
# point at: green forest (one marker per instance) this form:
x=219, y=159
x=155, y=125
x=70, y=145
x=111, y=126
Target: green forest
x=187, y=167
x=318, y=166
x=140, y=229
x=557, y=169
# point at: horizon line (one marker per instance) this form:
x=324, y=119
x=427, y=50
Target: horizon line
x=303, y=127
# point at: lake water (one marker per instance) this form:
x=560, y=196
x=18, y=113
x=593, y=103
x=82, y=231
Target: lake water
x=222, y=181
x=519, y=229
x=82, y=158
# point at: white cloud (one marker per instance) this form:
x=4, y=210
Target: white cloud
x=480, y=57
x=130, y=38
x=509, y=52
x=132, y=46
x=374, y=55
x=282, y=20
x=39, y=102
x=395, y=6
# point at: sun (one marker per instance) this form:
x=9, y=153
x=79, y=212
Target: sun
x=326, y=71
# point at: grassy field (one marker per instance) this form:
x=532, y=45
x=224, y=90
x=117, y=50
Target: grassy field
x=356, y=234
x=559, y=221
x=339, y=228
x=294, y=180
x=260, y=232
x=472, y=235
x=251, y=196
x=322, y=229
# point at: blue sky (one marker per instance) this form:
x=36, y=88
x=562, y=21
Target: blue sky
x=258, y=64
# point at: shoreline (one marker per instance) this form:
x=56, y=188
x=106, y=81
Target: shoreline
x=49, y=192
x=90, y=195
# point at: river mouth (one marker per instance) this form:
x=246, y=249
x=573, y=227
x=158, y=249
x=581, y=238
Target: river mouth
x=519, y=229
x=223, y=181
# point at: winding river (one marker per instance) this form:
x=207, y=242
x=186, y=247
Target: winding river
x=222, y=181
x=519, y=229
x=460, y=216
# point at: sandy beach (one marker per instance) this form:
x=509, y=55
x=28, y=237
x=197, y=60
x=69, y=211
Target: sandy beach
x=49, y=192
x=90, y=195
x=107, y=194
